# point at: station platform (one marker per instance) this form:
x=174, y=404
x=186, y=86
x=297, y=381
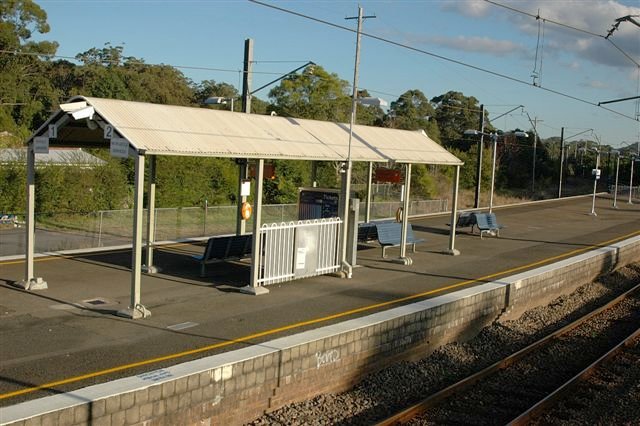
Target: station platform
x=68, y=336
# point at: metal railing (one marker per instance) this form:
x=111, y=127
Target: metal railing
x=623, y=190
x=104, y=228
x=299, y=249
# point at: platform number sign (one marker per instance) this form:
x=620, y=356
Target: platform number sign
x=53, y=131
x=108, y=131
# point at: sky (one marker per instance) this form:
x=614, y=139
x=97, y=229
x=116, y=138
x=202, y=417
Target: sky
x=457, y=45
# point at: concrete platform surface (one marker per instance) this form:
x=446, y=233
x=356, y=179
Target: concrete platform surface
x=68, y=337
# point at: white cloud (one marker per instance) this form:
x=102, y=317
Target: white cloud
x=471, y=8
x=478, y=44
x=596, y=17
x=595, y=84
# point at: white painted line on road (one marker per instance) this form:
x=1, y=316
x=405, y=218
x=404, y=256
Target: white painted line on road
x=182, y=325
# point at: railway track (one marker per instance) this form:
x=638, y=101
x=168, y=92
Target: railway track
x=525, y=384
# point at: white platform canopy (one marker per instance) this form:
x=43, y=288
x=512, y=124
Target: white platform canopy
x=144, y=129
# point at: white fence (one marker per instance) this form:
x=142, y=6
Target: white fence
x=298, y=249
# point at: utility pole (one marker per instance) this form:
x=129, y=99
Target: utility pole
x=534, y=123
x=243, y=166
x=479, y=162
x=246, y=76
x=561, y=161
x=346, y=176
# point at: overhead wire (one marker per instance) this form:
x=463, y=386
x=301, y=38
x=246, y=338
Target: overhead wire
x=444, y=58
x=561, y=24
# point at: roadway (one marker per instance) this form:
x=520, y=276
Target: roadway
x=68, y=337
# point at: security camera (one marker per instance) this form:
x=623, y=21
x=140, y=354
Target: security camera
x=86, y=112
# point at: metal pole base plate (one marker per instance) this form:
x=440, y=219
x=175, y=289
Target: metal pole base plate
x=150, y=269
x=134, y=313
x=403, y=261
x=256, y=291
x=453, y=252
x=32, y=284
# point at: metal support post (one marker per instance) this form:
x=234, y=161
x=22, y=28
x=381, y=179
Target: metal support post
x=494, y=138
x=479, y=162
x=241, y=224
x=136, y=310
x=561, y=161
x=352, y=231
x=151, y=218
x=367, y=211
x=30, y=282
x=454, y=213
x=404, y=259
x=253, y=287
x=631, y=178
x=595, y=185
x=615, y=192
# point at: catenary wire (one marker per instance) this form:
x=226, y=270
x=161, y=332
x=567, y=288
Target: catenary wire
x=444, y=58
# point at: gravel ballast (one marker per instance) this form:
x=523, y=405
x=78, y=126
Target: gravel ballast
x=388, y=390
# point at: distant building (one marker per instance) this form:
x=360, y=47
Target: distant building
x=56, y=157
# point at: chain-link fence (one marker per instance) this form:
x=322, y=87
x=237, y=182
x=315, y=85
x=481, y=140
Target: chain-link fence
x=106, y=228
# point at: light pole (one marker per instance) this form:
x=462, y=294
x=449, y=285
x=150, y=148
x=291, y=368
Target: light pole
x=633, y=159
x=534, y=123
x=481, y=147
x=479, y=161
x=596, y=175
x=562, y=141
x=494, y=138
x=615, y=192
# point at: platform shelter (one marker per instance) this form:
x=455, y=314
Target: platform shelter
x=143, y=131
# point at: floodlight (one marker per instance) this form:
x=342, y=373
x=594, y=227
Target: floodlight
x=214, y=100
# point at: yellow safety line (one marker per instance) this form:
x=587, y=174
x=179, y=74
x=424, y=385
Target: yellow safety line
x=303, y=323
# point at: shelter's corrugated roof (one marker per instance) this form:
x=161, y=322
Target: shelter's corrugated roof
x=176, y=130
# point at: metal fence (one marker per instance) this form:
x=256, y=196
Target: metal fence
x=623, y=191
x=387, y=209
x=104, y=228
x=299, y=249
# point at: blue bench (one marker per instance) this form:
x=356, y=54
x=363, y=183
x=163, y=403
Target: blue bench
x=220, y=249
x=487, y=223
x=390, y=234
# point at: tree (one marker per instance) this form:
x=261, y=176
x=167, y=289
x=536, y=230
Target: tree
x=313, y=94
x=26, y=94
x=456, y=113
x=412, y=111
x=209, y=88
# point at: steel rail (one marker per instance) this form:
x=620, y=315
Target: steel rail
x=436, y=398
x=550, y=400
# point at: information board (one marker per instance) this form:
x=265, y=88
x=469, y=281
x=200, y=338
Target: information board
x=318, y=203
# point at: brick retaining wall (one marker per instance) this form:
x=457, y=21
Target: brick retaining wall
x=238, y=386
